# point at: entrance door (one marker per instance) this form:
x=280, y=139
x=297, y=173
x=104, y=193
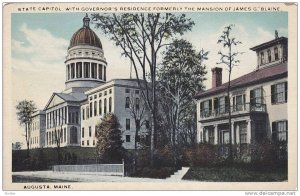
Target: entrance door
x=224, y=136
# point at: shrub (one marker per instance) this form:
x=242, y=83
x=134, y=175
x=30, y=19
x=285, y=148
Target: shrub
x=201, y=155
x=147, y=172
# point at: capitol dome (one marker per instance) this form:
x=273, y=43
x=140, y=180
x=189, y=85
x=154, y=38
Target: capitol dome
x=85, y=36
x=85, y=62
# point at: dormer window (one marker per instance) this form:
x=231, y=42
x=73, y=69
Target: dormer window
x=269, y=56
x=276, y=53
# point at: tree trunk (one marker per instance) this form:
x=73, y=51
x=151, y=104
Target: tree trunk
x=229, y=119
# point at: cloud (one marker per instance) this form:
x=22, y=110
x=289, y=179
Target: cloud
x=38, y=46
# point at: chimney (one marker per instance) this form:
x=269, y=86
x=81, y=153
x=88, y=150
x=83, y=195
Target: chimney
x=216, y=77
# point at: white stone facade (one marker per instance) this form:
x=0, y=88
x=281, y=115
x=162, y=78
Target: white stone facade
x=111, y=98
x=37, y=130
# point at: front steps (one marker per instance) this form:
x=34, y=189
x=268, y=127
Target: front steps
x=177, y=176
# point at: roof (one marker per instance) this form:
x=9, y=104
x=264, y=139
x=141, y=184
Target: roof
x=269, y=43
x=85, y=36
x=72, y=96
x=255, y=77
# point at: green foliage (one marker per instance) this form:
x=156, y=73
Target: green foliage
x=201, y=155
x=141, y=37
x=25, y=109
x=109, y=140
x=180, y=76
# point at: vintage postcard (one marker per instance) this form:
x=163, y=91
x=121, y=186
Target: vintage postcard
x=150, y=96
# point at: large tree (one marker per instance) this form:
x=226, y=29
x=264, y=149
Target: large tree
x=229, y=59
x=142, y=36
x=181, y=75
x=109, y=139
x=25, y=110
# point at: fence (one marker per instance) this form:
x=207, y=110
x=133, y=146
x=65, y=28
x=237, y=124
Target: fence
x=103, y=169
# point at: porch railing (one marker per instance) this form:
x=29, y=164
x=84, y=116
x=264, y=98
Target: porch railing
x=235, y=109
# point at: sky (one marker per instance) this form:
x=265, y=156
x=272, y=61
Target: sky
x=40, y=41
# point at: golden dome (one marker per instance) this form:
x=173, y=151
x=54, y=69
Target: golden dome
x=85, y=36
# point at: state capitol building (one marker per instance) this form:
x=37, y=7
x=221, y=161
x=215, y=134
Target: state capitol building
x=87, y=97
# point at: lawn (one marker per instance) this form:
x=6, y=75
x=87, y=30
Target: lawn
x=232, y=174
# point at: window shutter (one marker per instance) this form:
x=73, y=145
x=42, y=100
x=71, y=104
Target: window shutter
x=274, y=131
x=201, y=109
x=244, y=100
x=251, y=97
x=286, y=90
x=273, y=94
x=286, y=125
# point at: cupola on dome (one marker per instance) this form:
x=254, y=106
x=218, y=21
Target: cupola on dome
x=85, y=36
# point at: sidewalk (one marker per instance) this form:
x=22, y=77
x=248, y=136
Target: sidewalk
x=90, y=177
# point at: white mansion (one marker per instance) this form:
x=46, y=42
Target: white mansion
x=74, y=113
x=258, y=100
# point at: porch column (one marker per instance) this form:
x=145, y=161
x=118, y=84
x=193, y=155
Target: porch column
x=237, y=134
x=216, y=134
x=232, y=132
x=248, y=131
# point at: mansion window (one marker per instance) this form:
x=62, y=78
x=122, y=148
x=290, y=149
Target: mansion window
x=243, y=133
x=127, y=138
x=209, y=132
x=269, y=56
x=127, y=100
x=127, y=90
x=276, y=53
x=90, y=131
x=262, y=58
x=82, y=134
x=205, y=108
x=127, y=124
x=221, y=105
x=279, y=130
x=137, y=103
x=256, y=99
x=279, y=93
x=239, y=102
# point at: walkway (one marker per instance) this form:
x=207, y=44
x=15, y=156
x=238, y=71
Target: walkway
x=92, y=177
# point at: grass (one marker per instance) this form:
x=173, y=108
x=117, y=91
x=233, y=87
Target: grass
x=232, y=174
